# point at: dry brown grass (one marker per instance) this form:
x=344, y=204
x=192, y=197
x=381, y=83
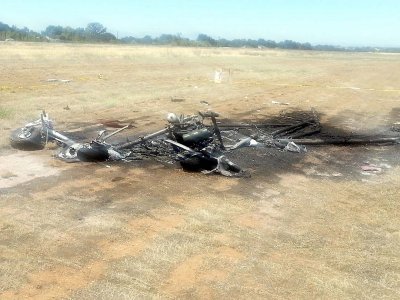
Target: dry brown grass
x=162, y=233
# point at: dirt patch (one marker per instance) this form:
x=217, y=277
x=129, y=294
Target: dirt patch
x=150, y=226
x=22, y=167
x=58, y=282
x=196, y=275
x=184, y=276
x=61, y=281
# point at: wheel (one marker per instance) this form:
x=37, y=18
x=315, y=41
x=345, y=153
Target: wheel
x=27, y=139
x=196, y=164
x=93, y=152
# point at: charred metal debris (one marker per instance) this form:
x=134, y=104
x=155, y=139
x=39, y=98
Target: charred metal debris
x=198, y=142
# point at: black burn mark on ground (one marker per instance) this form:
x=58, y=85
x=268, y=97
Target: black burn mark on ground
x=140, y=193
x=270, y=163
x=288, y=116
x=340, y=162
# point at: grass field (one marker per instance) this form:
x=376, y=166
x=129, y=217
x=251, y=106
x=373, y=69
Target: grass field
x=303, y=226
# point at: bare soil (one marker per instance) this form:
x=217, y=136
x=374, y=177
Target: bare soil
x=312, y=225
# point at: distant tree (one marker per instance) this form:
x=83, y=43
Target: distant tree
x=107, y=37
x=267, y=44
x=53, y=31
x=95, y=29
x=306, y=46
x=205, y=40
x=4, y=27
x=252, y=43
x=165, y=39
x=97, y=32
x=288, y=44
x=147, y=40
x=79, y=34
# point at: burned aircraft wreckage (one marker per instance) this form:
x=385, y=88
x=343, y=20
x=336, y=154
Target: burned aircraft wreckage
x=198, y=142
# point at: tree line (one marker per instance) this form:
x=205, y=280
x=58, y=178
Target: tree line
x=94, y=32
x=204, y=40
x=97, y=33
x=20, y=34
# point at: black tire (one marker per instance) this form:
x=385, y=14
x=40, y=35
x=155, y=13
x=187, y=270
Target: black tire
x=197, y=164
x=93, y=153
x=35, y=141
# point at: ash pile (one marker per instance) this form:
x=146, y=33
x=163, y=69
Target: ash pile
x=199, y=142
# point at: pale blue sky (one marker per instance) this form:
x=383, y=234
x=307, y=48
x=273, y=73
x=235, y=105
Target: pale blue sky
x=338, y=22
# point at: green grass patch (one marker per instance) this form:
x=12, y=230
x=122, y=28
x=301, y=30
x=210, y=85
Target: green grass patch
x=5, y=113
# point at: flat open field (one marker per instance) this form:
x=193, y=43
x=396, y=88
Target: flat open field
x=310, y=225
